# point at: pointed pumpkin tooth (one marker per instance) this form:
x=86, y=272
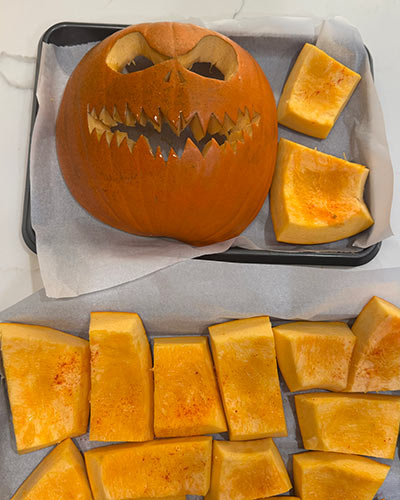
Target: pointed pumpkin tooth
x=106, y=118
x=117, y=116
x=184, y=122
x=213, y=125
x=109, y=136
x=94, y=123
x=93, y=112
x=129, y=117
x=211, y=145
x=156, y=122
x=196, y=127
x=99, y=134
x=130, y=143
x=227, y=125
x=248, y=130
x=172, y=154
x=142, y=119
x=91, y=123
x=235, y=135
x=256, y=118
x=120, y=136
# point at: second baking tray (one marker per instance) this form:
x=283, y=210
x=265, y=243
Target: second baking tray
x=67, y=34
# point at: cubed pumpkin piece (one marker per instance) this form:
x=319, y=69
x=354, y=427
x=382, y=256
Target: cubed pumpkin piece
x=160, y=468
x=61, y=474
x=48, y=379
x=245, y=361
x=186, y=397
x=316, y=197
x=247, y=470
x=314, y=355
x=335, y=476
x=349, y=423
x=375, y=365
x=280, y=498
x=122, y=379
x=315, y=93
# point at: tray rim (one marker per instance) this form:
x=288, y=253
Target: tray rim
x=238, y=255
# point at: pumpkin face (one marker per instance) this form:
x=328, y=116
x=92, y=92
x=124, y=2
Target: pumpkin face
x=114, y=126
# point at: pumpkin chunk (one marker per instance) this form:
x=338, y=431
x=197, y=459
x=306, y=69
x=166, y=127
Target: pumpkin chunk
x=314, y=95
x=247, y=470
x=245, y=361
x=47, y=374
x=349, y=423
x=316, y=197
x=186, y=397
x=314, y=355
x=160, y=468
x=122, y=380
x=334, y=476
x=60, y=474
x=375, y=365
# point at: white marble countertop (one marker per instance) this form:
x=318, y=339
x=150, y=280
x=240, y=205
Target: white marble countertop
x=23, y=22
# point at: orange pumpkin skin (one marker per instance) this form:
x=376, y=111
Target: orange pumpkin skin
x=200, y=198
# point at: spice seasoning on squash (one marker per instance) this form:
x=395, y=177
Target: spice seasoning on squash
x=48, y=382
x=315, y=197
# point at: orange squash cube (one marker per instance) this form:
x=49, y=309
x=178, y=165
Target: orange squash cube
x=349, y=423
x=316, y=92
x=375, y=365
x=186, y=397
x=122, y=379
x=245, y=361
x=335, y=476
x=160, y=468
x=315, y=197
x=314, y=355
x=48, y=380
x=247, y=469
x=61, y=474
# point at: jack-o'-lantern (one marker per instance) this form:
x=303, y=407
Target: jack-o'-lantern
x=116, y=118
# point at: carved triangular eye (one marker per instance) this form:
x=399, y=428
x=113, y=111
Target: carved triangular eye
x=212, y=57
x=132, y=53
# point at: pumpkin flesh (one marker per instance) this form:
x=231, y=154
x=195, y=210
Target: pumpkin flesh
x=349, y=423
x=334, y=476
x=314, y=355
x=122, y=381
x=160, y=468
x=375, y=365
x=316, y=92
x=61, y=474
x=245, y=362
x=186, y=397
x=247, y=470
x=48, y=380
x=315, y=197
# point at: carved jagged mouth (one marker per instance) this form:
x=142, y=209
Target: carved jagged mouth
x=165, y=138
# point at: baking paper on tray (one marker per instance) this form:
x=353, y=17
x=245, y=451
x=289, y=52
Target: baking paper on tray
x=78, y=254
x=181, y=300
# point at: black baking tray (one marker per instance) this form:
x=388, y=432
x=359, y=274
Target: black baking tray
x=68, y=33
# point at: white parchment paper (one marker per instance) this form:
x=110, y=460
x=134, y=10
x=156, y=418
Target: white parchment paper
x=78, y=254
x=185, y=300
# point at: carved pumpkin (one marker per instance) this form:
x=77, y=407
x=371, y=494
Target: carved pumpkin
x=114, y=123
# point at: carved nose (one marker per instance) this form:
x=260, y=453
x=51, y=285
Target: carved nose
x=174, y=76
